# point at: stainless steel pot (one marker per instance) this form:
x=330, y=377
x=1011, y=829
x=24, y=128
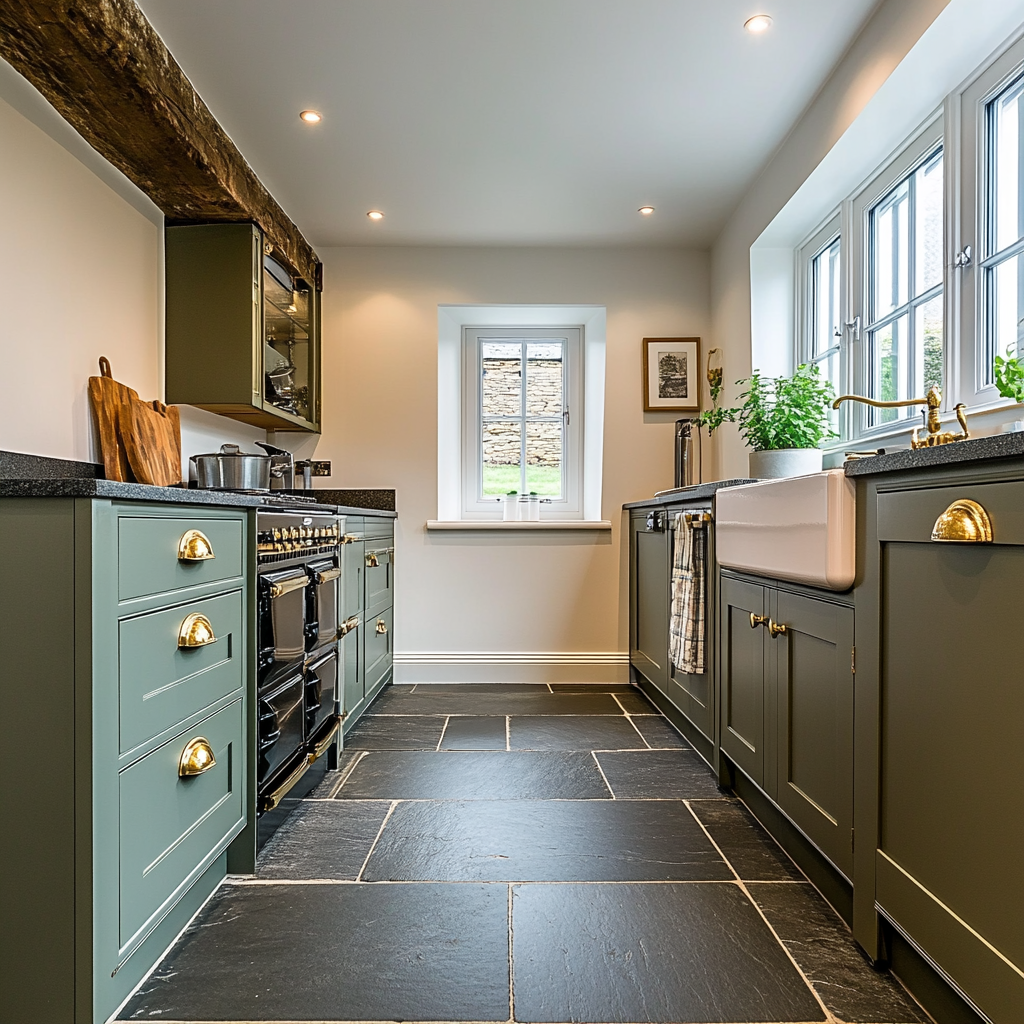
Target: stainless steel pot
x=231, y=469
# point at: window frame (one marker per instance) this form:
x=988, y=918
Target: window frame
x=821, y=240
x=570, y=506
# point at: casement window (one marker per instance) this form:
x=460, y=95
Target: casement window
x=821, y=284
x=522, y=419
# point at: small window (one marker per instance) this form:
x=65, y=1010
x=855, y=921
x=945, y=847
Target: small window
x=905, y=303
x=826, y=331
x=522, y=404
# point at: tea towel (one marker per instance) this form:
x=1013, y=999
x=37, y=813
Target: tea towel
x=687, y=620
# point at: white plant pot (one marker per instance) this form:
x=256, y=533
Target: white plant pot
x=772, y=465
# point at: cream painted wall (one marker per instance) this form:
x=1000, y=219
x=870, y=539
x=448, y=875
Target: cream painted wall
x=506, y=595
x=887, y=38
x=81, y=253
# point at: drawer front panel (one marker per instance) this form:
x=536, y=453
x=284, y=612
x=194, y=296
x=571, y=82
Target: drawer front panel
x=170, y=825
x=910, y=515
x=379, y=575
x=147, y=554
x=379, y=529
x=161, y=684
x=377, y=647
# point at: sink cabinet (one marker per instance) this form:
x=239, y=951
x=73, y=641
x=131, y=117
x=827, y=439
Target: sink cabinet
x=787, y=704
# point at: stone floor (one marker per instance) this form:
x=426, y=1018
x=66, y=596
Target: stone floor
x=519, y=853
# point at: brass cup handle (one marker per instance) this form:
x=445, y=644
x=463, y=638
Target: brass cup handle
x=757, y=620
x=195, y=546
x=382, y=627
x=196, y=758
x=964, y=522
x=196, y=631
x=777, y=629
x=371, y=560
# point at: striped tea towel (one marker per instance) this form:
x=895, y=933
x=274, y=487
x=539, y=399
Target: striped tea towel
x=687, y=621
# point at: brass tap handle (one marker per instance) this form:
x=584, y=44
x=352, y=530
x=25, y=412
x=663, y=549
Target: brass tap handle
x=777, y=629
x=757, y=620
x=196, y=758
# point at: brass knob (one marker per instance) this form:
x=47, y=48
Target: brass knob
x=196, y=758
x=382, y=627
x=777, y=629
x=757, y=620
x=194, y=546
x=964, y=522
x=196, y=631
x=371, y=560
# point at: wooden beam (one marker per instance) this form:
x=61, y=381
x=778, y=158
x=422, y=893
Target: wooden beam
x=101, y=64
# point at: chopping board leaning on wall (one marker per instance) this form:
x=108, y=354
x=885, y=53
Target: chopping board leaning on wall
x=139, y=440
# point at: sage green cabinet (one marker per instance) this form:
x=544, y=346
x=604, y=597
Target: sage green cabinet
x=107, y=850
x=242, y=332
x=649, y=597
x=949, y=847
x=787, y=705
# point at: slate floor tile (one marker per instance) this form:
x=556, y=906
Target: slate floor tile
x=395, y=732
x=752, y=852
x=635, y=703
x=581, y=732
x=428, y=689
x=658, y=775
x=667, y=953
x=323, y=839
x=824, y=948
x=539, y=840
x=475, y=775
x=428, y=703
x=593, y=688
x=473, y=732
x=338, y=952
x=658, y=733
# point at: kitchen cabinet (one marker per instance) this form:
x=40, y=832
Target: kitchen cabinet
x=366, y=651
x=945, y=838
x=114, y=835
x=787, y=699
x=243, y=331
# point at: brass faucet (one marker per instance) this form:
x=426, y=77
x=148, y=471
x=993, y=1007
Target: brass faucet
x=936, y=435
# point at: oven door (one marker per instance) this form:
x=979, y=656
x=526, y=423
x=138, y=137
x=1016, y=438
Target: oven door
x=281, y=733
x=321, y=692
x=282, y=611
x=324, y=604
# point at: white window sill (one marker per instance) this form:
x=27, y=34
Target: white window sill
x=498, y=524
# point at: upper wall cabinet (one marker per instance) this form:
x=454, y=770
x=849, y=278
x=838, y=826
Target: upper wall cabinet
x=243, y=332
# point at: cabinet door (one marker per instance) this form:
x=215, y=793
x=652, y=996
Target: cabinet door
x=652, y=570
x=813, y=663
x=743, y=677
x=952, y=752
x=352, y=672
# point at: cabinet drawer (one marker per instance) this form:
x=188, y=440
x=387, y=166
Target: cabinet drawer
x=377, y=647
x=379, y=529
x=378, y=575
x=161, y=684
x=172, y=827
x=147, y=554
x=910, y=515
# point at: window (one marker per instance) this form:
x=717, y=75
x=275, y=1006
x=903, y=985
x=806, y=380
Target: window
x=522, y=410
x=821, y=279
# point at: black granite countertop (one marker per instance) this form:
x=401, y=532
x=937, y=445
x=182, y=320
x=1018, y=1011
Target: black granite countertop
x=698, y=492
x=977, y=449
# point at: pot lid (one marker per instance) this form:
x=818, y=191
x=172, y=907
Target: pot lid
x=232, y=451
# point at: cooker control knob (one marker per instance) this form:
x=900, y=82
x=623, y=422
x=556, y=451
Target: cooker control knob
x=277, y=534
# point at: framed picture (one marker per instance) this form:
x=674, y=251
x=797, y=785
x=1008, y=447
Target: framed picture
x=671, y=374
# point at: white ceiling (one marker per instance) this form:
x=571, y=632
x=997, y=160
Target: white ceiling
x=507, y=122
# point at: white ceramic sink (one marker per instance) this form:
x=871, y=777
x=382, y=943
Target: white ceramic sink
x=801, y=528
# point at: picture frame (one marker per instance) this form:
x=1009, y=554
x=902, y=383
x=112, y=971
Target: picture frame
x=672, y=376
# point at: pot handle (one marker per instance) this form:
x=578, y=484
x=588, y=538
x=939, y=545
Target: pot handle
x=230, y=449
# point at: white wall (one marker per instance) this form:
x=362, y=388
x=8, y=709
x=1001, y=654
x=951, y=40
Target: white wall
x=81, y=254
x=495, y=599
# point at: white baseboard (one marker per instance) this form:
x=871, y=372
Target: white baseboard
x=511, y=667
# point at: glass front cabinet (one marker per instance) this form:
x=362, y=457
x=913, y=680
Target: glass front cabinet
x=243, y=330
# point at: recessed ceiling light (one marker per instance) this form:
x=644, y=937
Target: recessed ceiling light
x=758, y=23
x=310, y=116
x=646, y=211
x=375, y=215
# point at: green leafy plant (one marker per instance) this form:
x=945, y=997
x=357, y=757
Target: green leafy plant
x=786, y=412
x=714, y=417
x=1009, y=374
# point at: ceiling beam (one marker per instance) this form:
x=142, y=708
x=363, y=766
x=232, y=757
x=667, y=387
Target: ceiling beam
x=101, y=64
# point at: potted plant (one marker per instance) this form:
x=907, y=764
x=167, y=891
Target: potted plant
x=784, y=419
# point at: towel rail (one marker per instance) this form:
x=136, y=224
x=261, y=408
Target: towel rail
x=698, y=519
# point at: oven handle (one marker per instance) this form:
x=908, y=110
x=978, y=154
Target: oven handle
x=347, y=626
x=287, y=586
x=321, y=748
x=327, y=575
x=272, y=799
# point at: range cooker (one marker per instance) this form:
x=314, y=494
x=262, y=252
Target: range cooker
x=299, y=567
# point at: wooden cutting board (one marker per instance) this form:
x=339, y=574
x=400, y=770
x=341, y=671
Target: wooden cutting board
x=151, y=432
x=108, y=398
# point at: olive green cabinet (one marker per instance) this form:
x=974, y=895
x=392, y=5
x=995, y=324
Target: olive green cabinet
x=650, y=584
x=949, y=850
x=121, y=657
x=787, y=699
x=242, y=331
